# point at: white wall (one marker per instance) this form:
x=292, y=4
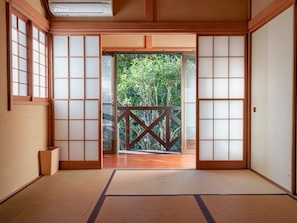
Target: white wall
x=272, y=90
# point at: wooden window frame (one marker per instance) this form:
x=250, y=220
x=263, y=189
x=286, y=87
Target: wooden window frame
x=29, y=99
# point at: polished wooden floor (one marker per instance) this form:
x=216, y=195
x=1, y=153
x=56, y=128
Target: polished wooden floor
x=150, y=161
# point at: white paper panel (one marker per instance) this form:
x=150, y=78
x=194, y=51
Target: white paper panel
x=236, y=129
x=91, y=151
x=76, y=67
x=61, y=109
x=221, y=88
x=190, y=94
x=205, y=88
x=236, y=150
x=63, y=145
x=206, y=129
x=92, y=45
x=221, y=150
x=205, y=68
x=76, y=130
x=236, y=109
x=61, y=67
x=221, y=109
x=92, y=88
x=77, y=88
x=236, y=88
x=205, y=47
x=190, y=133
x=61, y=129
x=76, y=150
x=91, y=109
x=61, y=88
x=206, y=109
x=91, y=130
x=221, y=46
x=221, y=67
x=221, y=129
x=76, y=46
x=76, y=109
x=92, y=67
x=237, y=45
x=60, y=46
x=237, y=67
x=205, y=150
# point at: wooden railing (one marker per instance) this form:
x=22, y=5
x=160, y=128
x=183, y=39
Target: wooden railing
x=171, y=136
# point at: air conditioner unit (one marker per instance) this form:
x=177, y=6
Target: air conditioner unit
x=74, y=8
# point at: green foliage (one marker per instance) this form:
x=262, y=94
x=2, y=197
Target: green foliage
x=149, y=80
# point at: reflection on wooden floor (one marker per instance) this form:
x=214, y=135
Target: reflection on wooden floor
x=150, y=161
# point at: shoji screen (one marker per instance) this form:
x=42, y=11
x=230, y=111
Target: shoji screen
x=221, y=71
x=76, y=97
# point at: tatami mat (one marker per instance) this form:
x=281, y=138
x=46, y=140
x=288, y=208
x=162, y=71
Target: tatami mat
x=183, y=182
x=148, y=209
x=251, y=208
x=67, y=196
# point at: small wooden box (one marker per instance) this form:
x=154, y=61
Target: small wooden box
x=49, y=160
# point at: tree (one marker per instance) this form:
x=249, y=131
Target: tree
x=149, y=80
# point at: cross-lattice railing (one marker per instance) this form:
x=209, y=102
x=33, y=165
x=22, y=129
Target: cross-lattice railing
x=162, y=114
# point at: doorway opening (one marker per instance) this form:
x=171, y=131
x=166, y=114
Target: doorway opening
x=149, y=105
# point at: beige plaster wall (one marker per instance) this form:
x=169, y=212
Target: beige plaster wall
x=23, y=131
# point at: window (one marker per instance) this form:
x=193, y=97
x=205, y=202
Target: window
x=29, y=75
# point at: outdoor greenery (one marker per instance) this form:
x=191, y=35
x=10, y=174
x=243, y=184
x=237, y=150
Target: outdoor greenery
x=149, y=80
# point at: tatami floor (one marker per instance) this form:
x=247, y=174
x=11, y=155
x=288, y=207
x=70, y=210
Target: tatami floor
x=149, y=195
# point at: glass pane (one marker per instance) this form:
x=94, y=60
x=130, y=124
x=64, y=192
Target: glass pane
x=190, y=115
x=92, y=153
x=60, y=46
x=61, y=67
x=76, y=88
x=42, y=48
x=206, y=110
x=35, y=56
x=236, y=129
x=236, y=150
x=92, y=88
x=61, y=88
x=41, y=37
x=61, y=129
x=206, y=150
x=92, y=45
x=205, y=46
x=35, y=45
x=15, y=89
x=221, y=109
x=76, y=151
x=63, y=145
x=36, y=79
x=221, y=129
x=22, y=51
x=237, y=46
x=23, y=64
x=221, y=150
x=205, y=67
x=91, y=130
x=236, y=67
x=190, y=133
x=14, y=48
x=35, y=33
x=76, y=130
x=91, y=109
x=237, y=88
x=14, y=21
x=206, y=129
x=190, y=94
x=23, y=77
x=14, y=35
x=76, y=109
x=76, y=67
x=22, y=39
x=221, y=67
x=35, y=70
x=22, y=25
x=76, y=47
x=221, y=46
x=92, y=67
x=236, y=109
x=221, y=88
x=15, y=76
x=23, y=90
x=15, y=62
x=36, y=91
x=61, y=109
x=205, y=88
